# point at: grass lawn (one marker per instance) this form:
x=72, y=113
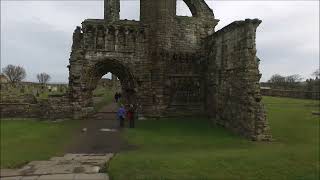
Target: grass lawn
x=191, y=149
x=26, y=140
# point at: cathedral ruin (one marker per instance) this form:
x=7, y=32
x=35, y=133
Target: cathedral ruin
x=172, y=65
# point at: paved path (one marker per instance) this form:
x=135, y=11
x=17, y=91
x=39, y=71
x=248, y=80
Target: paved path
x=68, y=167
x=90, y=151
x=96, y=139
x=99, y=176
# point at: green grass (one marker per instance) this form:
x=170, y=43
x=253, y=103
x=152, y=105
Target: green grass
x=191, y=149
x=26, y=140
x=45, y=95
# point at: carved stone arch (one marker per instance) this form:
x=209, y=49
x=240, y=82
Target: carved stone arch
x=118, y=68
x=199, y=8
x=85, y=75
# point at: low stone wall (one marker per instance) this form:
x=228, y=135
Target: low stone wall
x=291, y=93
x=51, y=109
x=56, y=107
x=21, y=110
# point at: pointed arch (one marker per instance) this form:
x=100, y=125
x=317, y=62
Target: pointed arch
x=182, y=9
x=198, y=8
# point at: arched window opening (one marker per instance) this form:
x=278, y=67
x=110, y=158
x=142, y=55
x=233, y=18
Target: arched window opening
x=130, y=10
x=182, y=9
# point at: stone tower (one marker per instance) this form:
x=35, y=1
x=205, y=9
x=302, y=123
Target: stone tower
x=112, y=10
x=171, y=65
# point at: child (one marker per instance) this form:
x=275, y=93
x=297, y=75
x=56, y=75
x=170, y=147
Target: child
x=121, y=115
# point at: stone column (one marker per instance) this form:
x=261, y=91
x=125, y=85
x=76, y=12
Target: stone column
x=112, y=10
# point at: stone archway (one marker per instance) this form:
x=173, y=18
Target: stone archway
x=84, y=78
x=199, y=8
x=118, y=69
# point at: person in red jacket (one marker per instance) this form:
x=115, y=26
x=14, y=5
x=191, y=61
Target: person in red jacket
x=130, y=116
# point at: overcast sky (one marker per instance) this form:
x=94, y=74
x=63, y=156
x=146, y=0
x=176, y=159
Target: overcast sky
x=38, y=35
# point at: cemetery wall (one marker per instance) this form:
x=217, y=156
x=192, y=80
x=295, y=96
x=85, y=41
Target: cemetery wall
x=291, y=93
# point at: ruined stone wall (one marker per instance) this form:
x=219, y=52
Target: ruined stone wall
x=162, y=53
x=19, y=110
x=188, y=34
x=175, y=54
x=55, y=107
x=117, y=47
x=291, y=93
x=234, y=99
x=172, y=65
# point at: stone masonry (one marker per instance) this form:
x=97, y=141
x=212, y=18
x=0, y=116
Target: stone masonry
x=68, y=167
x=172, y=65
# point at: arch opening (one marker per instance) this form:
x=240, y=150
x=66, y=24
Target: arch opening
x=103, y=94
x=130, y=10
x=107, y=78
x=182, y=9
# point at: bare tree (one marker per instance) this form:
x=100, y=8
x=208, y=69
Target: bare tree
x=293, y=78
x=293, y=81
x=14, y=73
x=43, y=78
x=277, y=80
x=316, y=74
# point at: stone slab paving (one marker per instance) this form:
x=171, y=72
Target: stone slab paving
x=68, y=167
x=98, y=176
x=9, y=172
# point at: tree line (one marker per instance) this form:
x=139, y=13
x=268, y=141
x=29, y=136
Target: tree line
x=295, y=82
x=16, y=74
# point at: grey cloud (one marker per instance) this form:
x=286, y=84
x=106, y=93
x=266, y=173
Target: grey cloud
x=287, y=39
x=38, y=48
x=38, y=35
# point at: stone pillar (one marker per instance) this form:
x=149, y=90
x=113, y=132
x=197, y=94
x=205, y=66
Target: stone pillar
x=114, y=81
x=153, y=11
x=112, y=10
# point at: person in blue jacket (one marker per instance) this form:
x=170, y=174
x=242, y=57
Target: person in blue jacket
x=121, y=114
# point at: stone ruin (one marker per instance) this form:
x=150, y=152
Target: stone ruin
x=172, y=65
